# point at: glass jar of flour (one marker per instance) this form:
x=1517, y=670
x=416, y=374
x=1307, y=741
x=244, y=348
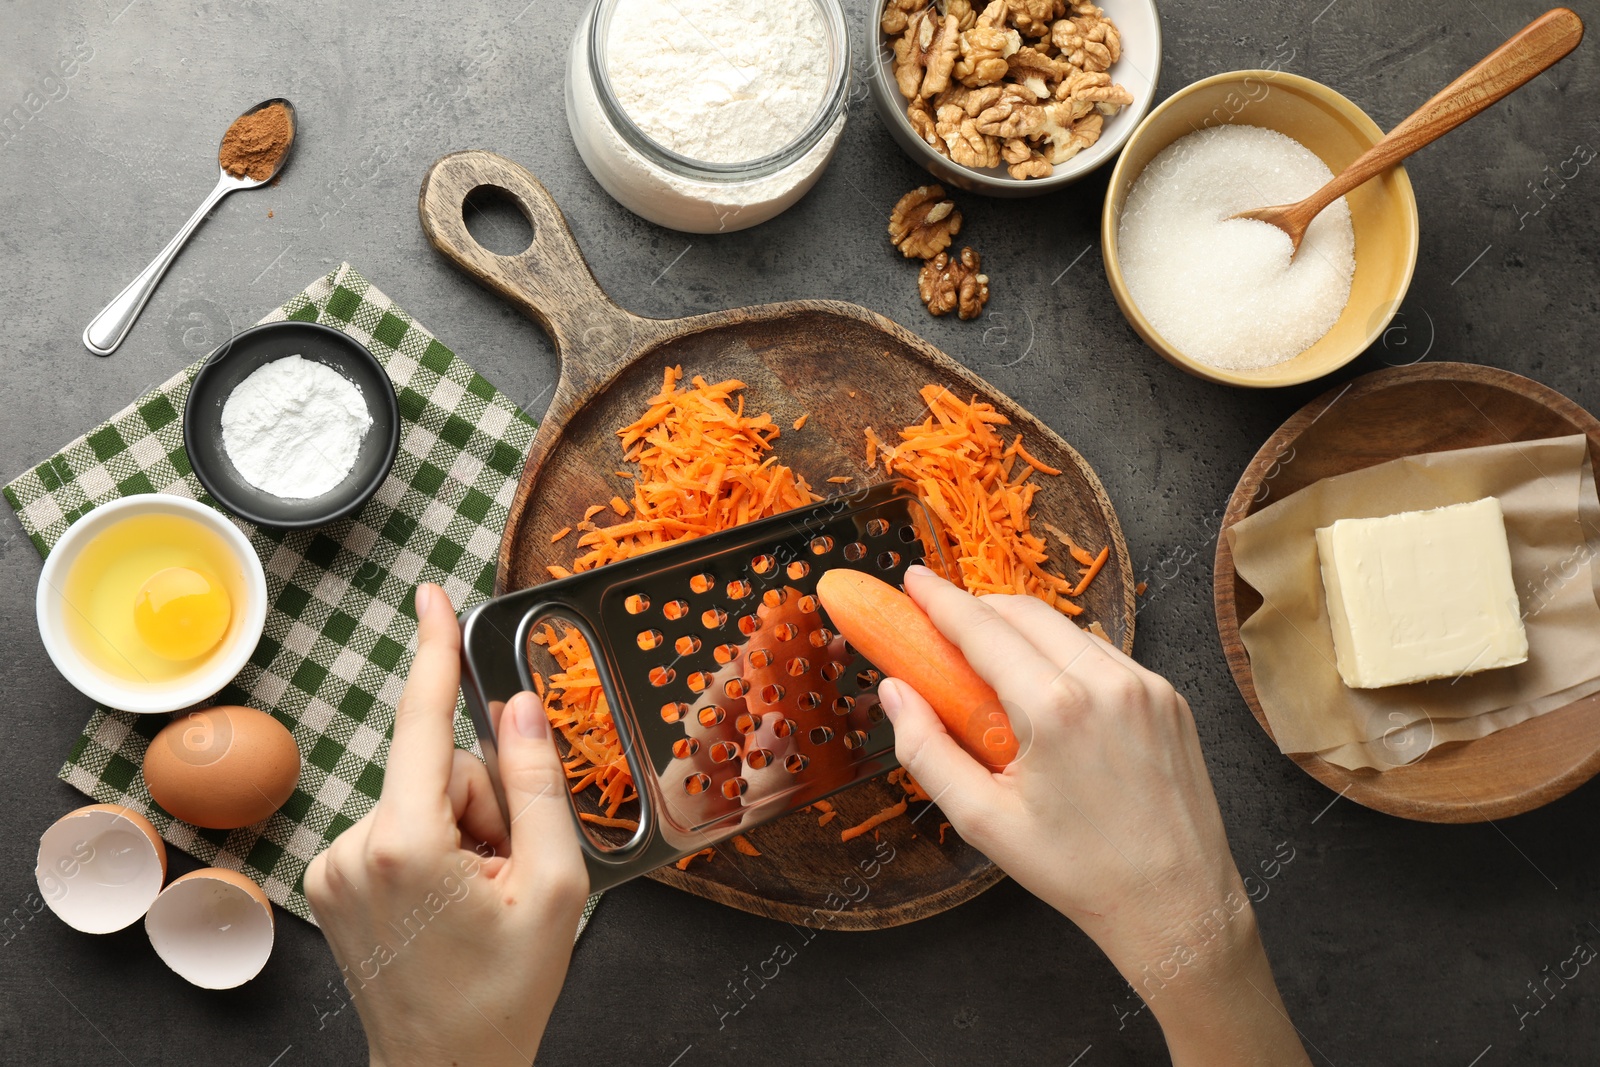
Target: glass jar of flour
x=708, y=115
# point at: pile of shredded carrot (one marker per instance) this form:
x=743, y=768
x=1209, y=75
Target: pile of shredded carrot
x=980, y=489
x=703, y=465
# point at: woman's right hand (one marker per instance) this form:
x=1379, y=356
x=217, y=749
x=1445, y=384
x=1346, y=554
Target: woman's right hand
x=1107, y=814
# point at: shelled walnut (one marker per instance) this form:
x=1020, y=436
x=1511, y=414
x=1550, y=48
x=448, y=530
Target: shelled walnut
x=1023, y=83
x=924, y=222
x=946, y=284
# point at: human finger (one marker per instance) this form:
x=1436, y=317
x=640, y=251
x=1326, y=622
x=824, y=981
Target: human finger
x=544, y=842
x=420, y=754
x=474, y=804
x=1001, y=655
x=944, y=770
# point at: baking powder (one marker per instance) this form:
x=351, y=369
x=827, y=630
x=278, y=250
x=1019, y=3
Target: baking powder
x=294, y=427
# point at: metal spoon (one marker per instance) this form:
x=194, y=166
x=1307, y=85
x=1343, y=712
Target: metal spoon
x=106, y=331
x=1528, y=53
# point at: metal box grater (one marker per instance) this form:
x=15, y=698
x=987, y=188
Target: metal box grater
x=734, y=700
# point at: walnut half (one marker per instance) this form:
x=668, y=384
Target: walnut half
x=924, y=222
x=945, y=284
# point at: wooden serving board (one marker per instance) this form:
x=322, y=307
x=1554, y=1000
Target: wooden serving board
x=1407, y=411
x=846, y=368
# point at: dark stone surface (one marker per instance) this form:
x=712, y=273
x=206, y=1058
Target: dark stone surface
x=1394, y=942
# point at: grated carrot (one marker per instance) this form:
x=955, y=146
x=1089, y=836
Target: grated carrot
x=702, y=465
x=800, y=423
x=841, y=479
x=683, y=864
x=942, y=828
x=1141, y=588
x=968, y=477
x=872, y=823
x=742, y=843
x=559, y=534
x=1094, y=569
x=601, y=820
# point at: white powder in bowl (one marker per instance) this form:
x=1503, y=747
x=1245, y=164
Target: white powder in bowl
x=1225, y=291
x=294, y=427
x=719, y=81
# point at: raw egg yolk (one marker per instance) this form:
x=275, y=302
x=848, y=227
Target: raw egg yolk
x=181, y=613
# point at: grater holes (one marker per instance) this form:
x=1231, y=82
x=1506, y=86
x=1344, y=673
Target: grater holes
x=854, y=551
x=674, y=711
x=786, y=631
x=821, y=545
x=763, y=564
x=687, y=645
x=711, y=716
x=875, y=714
x=699, y=681
x=797, y=666
x=877, y=527
x=734, y=788
x=649, y=640
x=660, y=676
x=844, y=705
x=868, y=678
x=637, y=604
x=738, y=589
x=725, y=654
x=807, y=605
x=832, y=670
x=749, y=624
x=773, y=598
x=703, y=583
x=821, y=735
x=723, y=751
x=809, y=701
x=782, y=729
x=796, y=763
x=888, y=560
x=747, y=722
x=697, y=783
x=761, y=657
x=713, y=618
x=771, y=693
x=759, y=759
x=684, y=747
x=675, y=609
x=736, y=688
x=820, y=637
x=854, y=739
x=798, y=570
x=908, y=534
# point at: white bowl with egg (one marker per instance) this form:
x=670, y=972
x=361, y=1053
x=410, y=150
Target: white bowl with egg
x=104, y=654
x=1383, y=212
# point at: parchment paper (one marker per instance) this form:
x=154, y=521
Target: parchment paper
x=1547, y=490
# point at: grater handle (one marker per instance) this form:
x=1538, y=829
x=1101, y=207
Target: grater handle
x=548, y=280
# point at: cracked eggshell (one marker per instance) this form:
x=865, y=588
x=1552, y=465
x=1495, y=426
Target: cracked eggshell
x=100, y=867
x=213, y=927
x=223, y=767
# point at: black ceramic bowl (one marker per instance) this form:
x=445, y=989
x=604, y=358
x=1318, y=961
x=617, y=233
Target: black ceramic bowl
x=235, y=361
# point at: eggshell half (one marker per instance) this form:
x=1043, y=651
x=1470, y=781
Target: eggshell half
x=223, y=767
x=100, y=867
x=213, y=927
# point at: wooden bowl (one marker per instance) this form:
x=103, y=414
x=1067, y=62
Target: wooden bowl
x=1382, y=416
x=1384, y=210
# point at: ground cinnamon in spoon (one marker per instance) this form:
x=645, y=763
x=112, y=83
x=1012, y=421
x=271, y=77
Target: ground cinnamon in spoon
x=255, y=143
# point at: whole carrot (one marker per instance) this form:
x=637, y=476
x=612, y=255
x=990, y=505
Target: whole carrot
x=898, y=637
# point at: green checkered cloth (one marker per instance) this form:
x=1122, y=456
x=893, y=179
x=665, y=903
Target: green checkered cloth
x=341, y=629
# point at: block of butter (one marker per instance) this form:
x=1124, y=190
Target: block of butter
x=1421, y=595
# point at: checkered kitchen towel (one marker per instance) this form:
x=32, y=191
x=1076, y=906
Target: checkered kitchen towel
x=341, y=630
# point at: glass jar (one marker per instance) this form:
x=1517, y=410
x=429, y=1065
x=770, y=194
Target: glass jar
x=686, y=194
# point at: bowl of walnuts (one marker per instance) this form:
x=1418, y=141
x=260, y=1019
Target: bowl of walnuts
x=1013, y=97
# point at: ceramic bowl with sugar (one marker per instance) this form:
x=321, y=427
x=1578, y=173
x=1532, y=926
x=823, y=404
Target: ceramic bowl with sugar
x=1383, y=211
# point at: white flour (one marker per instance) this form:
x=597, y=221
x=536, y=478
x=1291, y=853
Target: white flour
x=720, y=81
x=294, y=427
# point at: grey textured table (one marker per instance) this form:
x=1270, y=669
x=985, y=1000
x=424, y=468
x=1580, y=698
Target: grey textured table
x=1394, y=942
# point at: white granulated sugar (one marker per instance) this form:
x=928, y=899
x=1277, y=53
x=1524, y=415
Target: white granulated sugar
x=719, y=81
x=294, y=427
x=1225, y=291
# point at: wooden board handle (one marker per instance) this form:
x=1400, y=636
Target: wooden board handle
x=549, y=280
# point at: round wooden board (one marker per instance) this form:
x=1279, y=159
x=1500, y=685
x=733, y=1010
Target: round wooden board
x=845, y=368
x=1382, y=416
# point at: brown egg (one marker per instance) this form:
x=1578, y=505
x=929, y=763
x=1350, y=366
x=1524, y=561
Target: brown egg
x=223, y=767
